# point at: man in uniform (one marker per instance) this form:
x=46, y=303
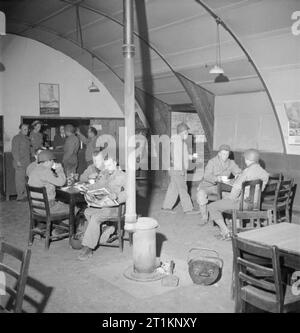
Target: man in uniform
x=114, y=180
x=90, y=143
x=252, y=171
x=21, y=159
x=43, y=176
x=178, y=174
x=94, y=169
x=216, y=167
x=71, y=147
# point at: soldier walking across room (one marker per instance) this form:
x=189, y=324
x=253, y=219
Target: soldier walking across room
x=21, y=159
x=178, y=174
x=71, y=147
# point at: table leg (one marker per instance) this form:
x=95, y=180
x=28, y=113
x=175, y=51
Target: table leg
x=71, y=220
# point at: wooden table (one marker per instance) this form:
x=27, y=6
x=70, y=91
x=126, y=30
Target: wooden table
x=72, y=196
x=286, y=236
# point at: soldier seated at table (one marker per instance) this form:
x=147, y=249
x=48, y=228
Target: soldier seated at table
x=93, y=170
x=252, y=171
x=114, y=180
x=216, y=167
x=33, y=164
x=44, y=176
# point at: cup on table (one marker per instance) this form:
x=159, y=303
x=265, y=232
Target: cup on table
x=224, y=179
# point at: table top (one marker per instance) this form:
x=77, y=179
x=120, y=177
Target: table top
x=286, y=236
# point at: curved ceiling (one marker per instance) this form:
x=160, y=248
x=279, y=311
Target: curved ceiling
x=181, y=36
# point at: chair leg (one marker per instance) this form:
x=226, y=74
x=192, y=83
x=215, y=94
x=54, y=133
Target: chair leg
x=48, y=234
x=30, y=238
x=130, y=238
x=120, y=235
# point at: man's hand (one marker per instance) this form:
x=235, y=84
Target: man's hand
x=93, y=175
x=19, y=164
x=58, y=166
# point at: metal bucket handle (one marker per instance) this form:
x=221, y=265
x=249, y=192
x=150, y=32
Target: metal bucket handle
x=208, y=250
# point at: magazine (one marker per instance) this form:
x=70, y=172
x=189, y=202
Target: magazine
x=99, y=198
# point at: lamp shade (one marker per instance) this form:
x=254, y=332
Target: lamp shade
x=216, y=70
x=221, y=78
x=93, y=88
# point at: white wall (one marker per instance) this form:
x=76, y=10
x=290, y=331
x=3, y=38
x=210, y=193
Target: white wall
x=29, y=63
x=246, y=121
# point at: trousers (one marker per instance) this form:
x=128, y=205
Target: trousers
x=20, y=180
x=203, y=193
x=95, y=216
x=178, y=187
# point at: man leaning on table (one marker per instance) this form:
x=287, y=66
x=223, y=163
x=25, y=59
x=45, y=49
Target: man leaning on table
x=216, y=167
x=114, y=180
x=44, y=176
x=252, y=171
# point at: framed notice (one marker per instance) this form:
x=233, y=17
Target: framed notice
x=49, y=99
x=292, y=110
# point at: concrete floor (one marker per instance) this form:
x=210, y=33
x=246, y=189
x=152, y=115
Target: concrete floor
x=68, y=285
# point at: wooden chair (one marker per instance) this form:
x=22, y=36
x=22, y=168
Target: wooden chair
x=16, y=293
x=247, y=220
x=40, y=212
x=281, y=202
x=119, y=222
x=269, y=293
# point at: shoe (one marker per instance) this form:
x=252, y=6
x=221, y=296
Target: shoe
x=107, y=232
x=85, y=253
x=192, y=212
x=225, y=237
x=112, y=238
x=168, y=210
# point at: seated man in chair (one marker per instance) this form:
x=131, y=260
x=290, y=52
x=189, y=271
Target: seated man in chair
x=216, y=167
x=44, y=176
x=252, y=171
x=114, y=180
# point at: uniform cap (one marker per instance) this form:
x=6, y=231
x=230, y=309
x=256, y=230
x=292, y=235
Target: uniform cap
x=252, y=155
x=35, y=123
x=46, y=155
x=182, y=127
x=225, y=147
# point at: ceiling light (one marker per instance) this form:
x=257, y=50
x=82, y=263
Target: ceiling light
x=221, y=78
x=217, y=69
x=93, y=88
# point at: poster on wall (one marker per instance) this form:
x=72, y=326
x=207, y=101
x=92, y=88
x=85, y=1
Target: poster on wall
x=49, y=99
x=292, y=110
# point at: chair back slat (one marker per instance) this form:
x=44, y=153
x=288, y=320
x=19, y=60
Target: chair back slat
x=8, y=270
x=260, y=283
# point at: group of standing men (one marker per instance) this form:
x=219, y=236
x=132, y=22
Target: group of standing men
x=25, y=148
